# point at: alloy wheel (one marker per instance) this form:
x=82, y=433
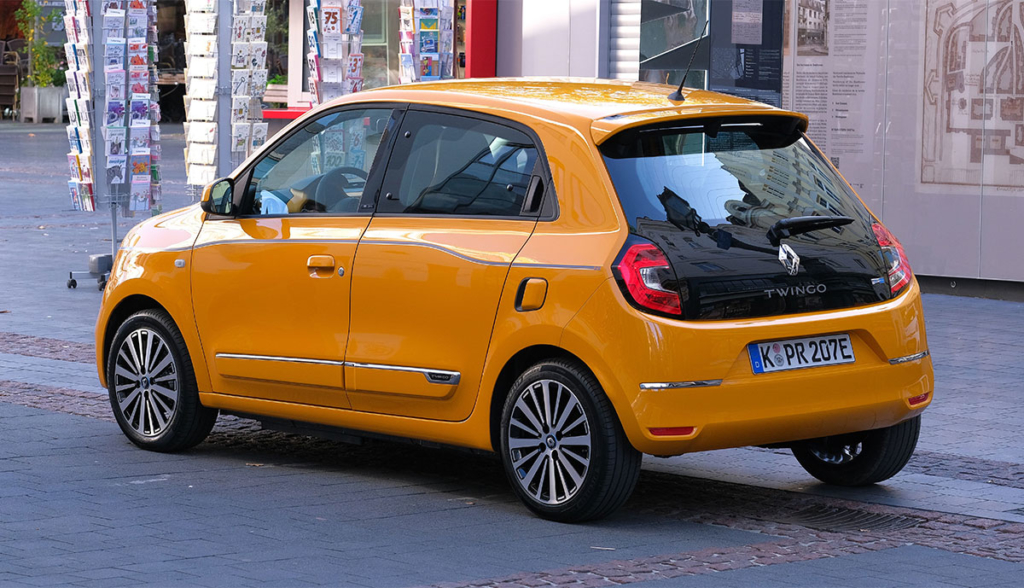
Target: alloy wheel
x=146, y=382
x=549, y=442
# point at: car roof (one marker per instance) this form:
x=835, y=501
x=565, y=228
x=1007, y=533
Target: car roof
x=606, y=106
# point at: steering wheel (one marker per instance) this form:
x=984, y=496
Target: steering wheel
x=331, y=189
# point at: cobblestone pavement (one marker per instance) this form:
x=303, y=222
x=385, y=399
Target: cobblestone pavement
x=79, y=505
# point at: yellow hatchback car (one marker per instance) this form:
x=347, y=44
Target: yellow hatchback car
x=568, y=273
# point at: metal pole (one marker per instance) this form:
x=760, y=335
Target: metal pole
x=99, y=108
x=225, y=10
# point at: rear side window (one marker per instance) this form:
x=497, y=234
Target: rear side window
x=452, y=165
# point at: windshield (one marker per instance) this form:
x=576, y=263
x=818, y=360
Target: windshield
x=712, y=175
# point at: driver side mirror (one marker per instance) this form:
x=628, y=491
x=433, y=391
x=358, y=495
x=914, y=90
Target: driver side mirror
x=217, y=197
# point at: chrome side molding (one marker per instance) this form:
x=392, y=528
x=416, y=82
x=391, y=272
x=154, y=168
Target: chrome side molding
x=433, y=376
x=676, y=385
x=280, y=358
x=907, y=358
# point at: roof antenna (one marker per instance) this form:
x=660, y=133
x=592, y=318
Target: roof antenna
x=677, y=96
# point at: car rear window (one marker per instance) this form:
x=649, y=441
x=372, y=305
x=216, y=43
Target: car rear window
x=739, y=172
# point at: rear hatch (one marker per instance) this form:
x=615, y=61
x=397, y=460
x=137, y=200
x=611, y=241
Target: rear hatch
x=707, y=191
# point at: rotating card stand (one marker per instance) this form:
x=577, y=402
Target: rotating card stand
x=112, y=196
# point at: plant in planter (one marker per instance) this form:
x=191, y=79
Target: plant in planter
x=42, y=92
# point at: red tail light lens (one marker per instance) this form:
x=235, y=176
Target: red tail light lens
x=896, y=259
x=643, y=270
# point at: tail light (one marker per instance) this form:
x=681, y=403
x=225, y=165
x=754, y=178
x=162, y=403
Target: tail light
x=895, y=259
x=647, y=279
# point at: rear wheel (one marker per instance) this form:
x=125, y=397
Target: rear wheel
x=152, y=385
x=860, y=459
x=562, y=446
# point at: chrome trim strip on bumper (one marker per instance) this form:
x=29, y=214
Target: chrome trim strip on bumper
x=279, y=358
x=432, y=376
x=675, y=385
x=908, y=358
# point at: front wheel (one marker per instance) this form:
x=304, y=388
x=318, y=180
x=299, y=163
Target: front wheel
x=860, y=459
x=562, y=446
x=152, y=385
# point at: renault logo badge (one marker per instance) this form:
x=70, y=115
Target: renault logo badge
x=789, y=259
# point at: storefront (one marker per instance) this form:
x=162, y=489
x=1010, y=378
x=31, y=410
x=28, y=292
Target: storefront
x=288, y=72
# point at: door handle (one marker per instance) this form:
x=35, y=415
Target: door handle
x=320, y=266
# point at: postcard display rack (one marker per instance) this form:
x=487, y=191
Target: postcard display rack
x=335, y=58
x=114, y=112
x=426, y=39
x=226, y=78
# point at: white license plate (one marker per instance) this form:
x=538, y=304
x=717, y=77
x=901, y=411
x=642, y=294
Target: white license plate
x=791, y=354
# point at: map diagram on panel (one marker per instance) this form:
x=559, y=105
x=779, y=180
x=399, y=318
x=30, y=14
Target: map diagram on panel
x=973, y=121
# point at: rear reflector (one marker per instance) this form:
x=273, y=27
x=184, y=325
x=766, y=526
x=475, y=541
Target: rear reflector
x=919, y=399
x=672, y=431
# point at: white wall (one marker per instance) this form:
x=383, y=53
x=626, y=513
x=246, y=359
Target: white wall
x=551, y=38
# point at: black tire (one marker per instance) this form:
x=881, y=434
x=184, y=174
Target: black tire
x=610, y=476
x=860, y=459
x=189, y=422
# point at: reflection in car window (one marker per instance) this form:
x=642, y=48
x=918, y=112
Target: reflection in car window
x=462, y=166
x=739, y=176
x=321, y=168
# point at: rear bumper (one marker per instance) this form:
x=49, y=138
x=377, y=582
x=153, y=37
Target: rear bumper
x=626, y=348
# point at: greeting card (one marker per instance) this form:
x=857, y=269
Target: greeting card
x=353, y=20
x=240, y=29
x=258, y=55
x=202, y=110
x=140, y=194
x=140, y=110
x=115, y=83
x=428, y=42
x=258, y=83
x=117, y=169
x=139, y=166
x=75, y=167
x=139, y=142
x=115, y=138
x=138, y=80
x=202, y=132
x=115, y=113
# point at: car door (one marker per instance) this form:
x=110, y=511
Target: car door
x=455, y=209
x=271, y=286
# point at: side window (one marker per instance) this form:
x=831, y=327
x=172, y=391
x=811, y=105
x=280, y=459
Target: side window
x=447, y=164
x=321, y=168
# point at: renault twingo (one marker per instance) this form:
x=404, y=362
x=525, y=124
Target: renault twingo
x=569, y=273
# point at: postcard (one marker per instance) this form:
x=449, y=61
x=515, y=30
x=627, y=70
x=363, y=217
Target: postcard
x=428, y=42
x=240, y=29
x=74, y=167
x=258, y=55
x=239, y=55
x=240, y=81
x=257, y=28
x=258, y=83
x=239, y=108
x=259, y=134
x=240, y=136
x=202, y=132
x=202, y=88
x=76, y=197
x=202, y=110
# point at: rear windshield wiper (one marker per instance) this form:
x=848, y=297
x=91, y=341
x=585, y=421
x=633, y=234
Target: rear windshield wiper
x=788, y=227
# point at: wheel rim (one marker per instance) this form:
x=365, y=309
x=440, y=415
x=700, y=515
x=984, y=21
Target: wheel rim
x=836, y=453
x=549, y=442
x=146, y=382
